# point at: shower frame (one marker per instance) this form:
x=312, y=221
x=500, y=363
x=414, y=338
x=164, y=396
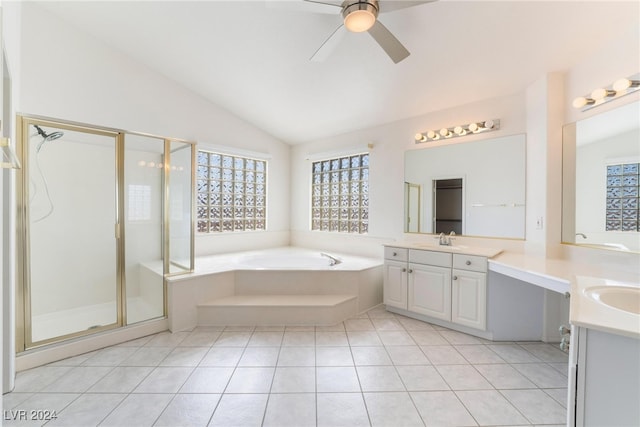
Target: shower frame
x=23, y=319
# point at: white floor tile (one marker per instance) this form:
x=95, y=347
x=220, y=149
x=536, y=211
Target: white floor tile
x=259, y=356
x=407, y=355
x=122, y=379
x=266, y=339
x=537, y=406
x=478, y=354
x=331, y=338
x=297, y=356
x=200, y=339
x=222, y=356
x=299, y=339
x=110, y=356
x=369, y=356
x=489, y=407
x=421, y=378
x=513, y=353
x=207, y=380
x=362, y=324
x=334, y=356
x=294, y=380
x=342, y=410
x=379, y=378
x=383, y=324
x=167, y=339
x=442, y=408
x=443, y=355
x=396, y=338
x=546, y=352
x=51, y=403
x=542, y=375
x=147, y=356
x=188, y=410
x=233, y=339
x=428, y=337
x=504, y=376
x=87, y=410
x=164, y=380
x=251, y=380
x=138, y=410
x=240, y=410
x=38, y=378
x=185, y=356
x=78, y=380
x=291, y=410
x=337, y=379
x=363, y=338
x=463, y=377
x=392, y=409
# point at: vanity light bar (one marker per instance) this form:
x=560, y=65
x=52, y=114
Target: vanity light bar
x=620, y=87
x=456, y=131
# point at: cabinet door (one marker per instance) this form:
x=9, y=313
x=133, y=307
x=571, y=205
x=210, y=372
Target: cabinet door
x=430, y=291
x=469, y=299
x=395, y=284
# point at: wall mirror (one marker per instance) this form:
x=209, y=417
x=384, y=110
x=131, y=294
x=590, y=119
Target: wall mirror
x=474, y=188
x=601, y=162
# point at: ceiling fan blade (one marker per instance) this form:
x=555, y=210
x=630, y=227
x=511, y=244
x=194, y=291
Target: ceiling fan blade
x=311, y=6
x=387, y=41
x=391, y=5
x=329, y=45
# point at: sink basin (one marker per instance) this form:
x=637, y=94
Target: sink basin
x=625, y=298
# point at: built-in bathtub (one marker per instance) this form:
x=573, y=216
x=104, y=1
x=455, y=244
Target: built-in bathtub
x=292, y=286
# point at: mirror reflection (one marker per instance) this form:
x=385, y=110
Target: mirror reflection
x=601, y=162
x=474, y=188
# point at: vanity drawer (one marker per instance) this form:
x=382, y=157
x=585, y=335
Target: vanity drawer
x=440, y=259
x=398, y=254
x=470, y=262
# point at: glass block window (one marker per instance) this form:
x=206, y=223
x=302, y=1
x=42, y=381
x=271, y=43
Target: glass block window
x=340, y=194
x=231, y=193
x=622, y=197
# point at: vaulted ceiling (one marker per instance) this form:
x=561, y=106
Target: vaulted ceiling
x=252, y=57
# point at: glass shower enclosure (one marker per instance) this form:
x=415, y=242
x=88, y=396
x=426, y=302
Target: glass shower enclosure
x=104, y=215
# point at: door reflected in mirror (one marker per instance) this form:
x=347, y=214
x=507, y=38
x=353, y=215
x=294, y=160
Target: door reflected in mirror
x=472, y=188
x=601, y=162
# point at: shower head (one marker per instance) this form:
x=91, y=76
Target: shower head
x=50, y=136
x=46, y=136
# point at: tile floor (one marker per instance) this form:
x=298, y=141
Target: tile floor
x=377, y=369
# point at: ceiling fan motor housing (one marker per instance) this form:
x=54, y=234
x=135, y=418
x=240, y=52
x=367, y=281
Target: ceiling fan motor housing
x=359, y=15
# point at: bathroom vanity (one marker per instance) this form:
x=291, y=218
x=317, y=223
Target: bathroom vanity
x=604, y=357
x=447, y=286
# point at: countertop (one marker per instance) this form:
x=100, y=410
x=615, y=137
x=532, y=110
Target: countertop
x=587, y=312
x=453, y=249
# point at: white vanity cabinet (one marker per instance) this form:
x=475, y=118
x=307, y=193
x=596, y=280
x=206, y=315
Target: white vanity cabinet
x=604, y=371
x=436, y=285
x=395, y=277
x=469, y=291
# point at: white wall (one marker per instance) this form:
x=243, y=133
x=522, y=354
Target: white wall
x=68, y=75
x=386, y=172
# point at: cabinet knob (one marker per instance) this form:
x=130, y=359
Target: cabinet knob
x=564, y=330
x=395, y=254
x=404, y=269
x=455, y=277
x=410, y=271
x=468, y=262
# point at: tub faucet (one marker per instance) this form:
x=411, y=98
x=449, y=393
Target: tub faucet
x=332, y=260
x=584, y=236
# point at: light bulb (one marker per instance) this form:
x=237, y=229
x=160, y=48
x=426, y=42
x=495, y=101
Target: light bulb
x=488, y=124
x=601, y=93
x=151, y=164
x=432, y=135
x=142, y=163
x=621, y=85
x=445, y=132
x=473, y=127
x=359, y=21
x=581, y=101
x=459, y=130
x=420, y=137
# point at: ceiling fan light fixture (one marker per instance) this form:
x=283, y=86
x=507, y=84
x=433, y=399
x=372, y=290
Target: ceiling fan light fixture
x=360, y=15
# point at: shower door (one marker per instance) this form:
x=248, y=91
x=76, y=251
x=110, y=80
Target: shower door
x=71, y=230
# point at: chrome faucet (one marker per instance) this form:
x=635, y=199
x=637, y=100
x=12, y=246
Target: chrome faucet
x=332, y=260
x=445, y=240
x=584, y=236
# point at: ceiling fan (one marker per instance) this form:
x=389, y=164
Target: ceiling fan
x=360, y=16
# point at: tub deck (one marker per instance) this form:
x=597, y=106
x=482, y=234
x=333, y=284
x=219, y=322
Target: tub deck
x=226, y=290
